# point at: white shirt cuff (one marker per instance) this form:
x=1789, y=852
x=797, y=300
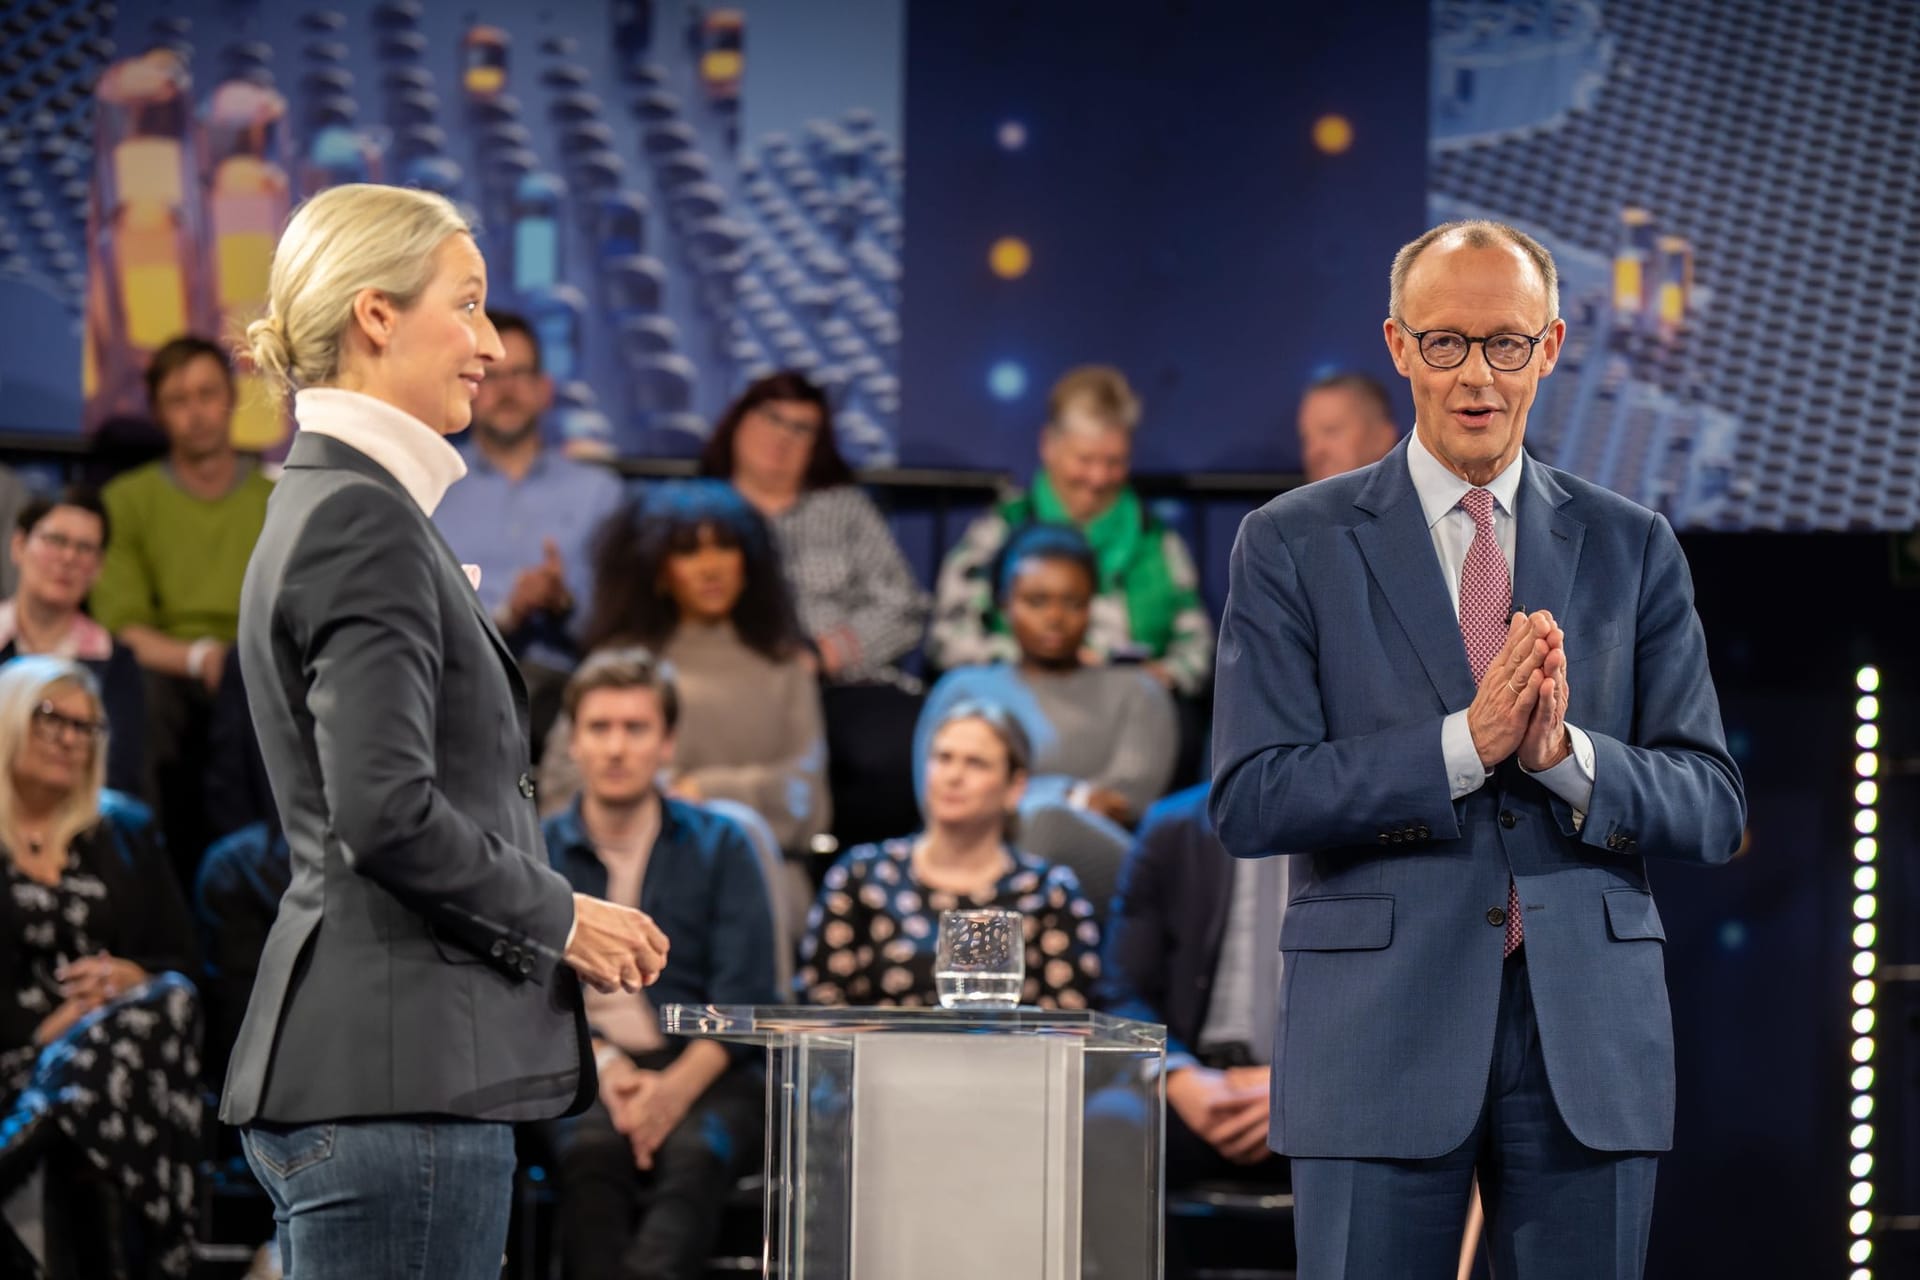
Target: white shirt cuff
x=568, y=945
x=1572, y=778
x=1465, y=775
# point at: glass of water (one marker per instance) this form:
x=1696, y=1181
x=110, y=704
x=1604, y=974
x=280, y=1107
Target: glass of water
x=981, y=960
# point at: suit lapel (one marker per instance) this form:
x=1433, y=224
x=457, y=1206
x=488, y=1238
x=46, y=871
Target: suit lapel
x=311, y=449
x=1398, y=548
x=1547, y=541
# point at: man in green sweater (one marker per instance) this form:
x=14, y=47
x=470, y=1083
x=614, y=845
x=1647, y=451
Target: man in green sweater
x=169, y=589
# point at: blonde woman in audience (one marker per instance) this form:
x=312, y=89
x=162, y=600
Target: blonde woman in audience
x=871, y=934
x=99, y=1030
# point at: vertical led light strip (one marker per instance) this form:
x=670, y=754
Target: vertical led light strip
x=1866, y=903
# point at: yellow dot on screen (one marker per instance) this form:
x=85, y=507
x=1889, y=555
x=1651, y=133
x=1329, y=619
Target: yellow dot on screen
x=1332, y=134
x=1009, y=257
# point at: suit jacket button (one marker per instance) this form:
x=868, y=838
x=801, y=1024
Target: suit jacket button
x=1613, y=841
x=1424, y=832
x=498, y=949
x=1495, y=916
x=526, y=786
x=1385, y=838
x=1507, y=819
x=526, y=966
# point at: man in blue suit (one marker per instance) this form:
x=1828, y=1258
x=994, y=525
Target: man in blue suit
x=1473, y=963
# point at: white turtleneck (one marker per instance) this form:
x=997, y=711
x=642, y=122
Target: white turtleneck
x=411, y=452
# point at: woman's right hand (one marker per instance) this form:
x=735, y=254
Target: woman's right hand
x=614, y=948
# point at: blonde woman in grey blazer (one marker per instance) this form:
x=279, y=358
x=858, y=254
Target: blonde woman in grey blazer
x=419, y=990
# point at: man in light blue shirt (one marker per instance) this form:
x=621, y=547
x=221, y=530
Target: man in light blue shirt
x=525, y=515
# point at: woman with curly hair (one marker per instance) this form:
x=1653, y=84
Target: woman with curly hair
x=695, y=577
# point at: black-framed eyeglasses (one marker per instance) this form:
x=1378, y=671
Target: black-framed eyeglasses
x=1448, y=348
x=54, y=725
x=60, y=544
x=800, y=428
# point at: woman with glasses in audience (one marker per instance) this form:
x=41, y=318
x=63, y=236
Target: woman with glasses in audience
x=56, y=549
x=871, y=935
x=695, y=577
x=99, y=1030
x=859, y=603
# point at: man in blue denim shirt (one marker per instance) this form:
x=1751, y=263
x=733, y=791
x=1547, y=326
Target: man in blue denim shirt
x=526, y=516
x=679, y=1118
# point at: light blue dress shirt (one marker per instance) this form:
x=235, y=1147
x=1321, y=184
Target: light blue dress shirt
x=1452, y=528
x=500, y=524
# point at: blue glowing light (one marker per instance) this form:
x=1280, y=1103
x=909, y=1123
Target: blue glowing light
x=1007, y=380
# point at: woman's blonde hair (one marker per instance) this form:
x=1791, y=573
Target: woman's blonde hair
x=25, y=683
x=347, y=238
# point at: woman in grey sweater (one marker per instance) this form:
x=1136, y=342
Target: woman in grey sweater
x=1104, y=737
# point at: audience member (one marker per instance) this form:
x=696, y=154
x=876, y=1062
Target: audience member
x=13, y=496
x=1103, y=736
x=99, y=1030
x=56, y=549
x=858, y=600
x=677, y=1119
x=1148, y=604
x=1346, y=422
x=872, y=931
x=527, y=515
x=169, y=588
x=235, y=898
x=1190, y=929
x=696, y=580
x=239, y=794
x=856, y=595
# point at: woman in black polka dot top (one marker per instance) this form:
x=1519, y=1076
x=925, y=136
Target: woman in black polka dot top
x=871, y=933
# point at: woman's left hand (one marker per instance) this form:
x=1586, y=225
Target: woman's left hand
x=94, y=980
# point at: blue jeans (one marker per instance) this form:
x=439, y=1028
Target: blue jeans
x=374, y=1199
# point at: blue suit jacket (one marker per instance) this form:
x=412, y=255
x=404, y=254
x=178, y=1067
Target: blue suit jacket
x=1340, y=653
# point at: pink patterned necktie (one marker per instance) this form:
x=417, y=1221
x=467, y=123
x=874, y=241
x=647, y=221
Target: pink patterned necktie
x=1486, y=599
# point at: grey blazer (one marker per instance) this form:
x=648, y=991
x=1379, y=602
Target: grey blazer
x=415, y=965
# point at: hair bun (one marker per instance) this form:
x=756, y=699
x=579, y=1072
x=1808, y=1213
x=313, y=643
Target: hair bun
x=267, y=345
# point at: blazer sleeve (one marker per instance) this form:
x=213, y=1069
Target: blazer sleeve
x=361, y=603
x=1279, y=781
x=1673, y=791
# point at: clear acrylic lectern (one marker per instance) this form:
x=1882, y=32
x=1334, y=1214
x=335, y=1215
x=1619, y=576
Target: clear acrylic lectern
x=938, y=1144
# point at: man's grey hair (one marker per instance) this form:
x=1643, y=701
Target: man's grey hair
x=1370, y=390
x=1475, y=233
